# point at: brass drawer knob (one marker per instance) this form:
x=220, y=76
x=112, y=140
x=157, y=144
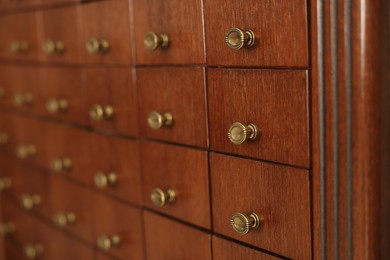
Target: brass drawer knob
x=7, y=228
x=24, y=151
x=64, y=219
x=61, y=164
x=3, y=138
x=53, y=47
x=19, y=46
x=103, y=180
x=160, y=197
x=29, y=201
x=152, y=41
x=32, y=251
x=243, y=224
x=238, y=133
x=5, y=183
x=106, y=242
x=56, y=105
x=157, y=120
x=99, y=112
x=23, y=99
x=94, y=45
x=236, y=38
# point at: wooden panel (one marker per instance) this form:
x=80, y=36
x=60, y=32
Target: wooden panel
x=280, y=28
x=11, y=251
x=279, y=194
x=6, y=85
x=179, y=91
x=274, y=100
x=167, y=239
x=10, y=5
x=183, y=170
x=180, y=20
x=7, y=131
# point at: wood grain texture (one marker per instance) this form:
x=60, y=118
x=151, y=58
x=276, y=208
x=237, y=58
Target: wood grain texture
x=275, y=101
x=181, y=21
x=279, y=194
x=183, y=170
x=181, y=92
x=280, y=28
x=167, y=239
x=10, y=5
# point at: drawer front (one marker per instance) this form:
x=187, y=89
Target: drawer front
x=181, y=93
x=105, y=37
x=111, y=99
x=183, y=170
x=279, y=28
x=275, y=101
x=279, y=196
x=7, y=79
x=8, y=135
x=180, y=21
x=167, y=239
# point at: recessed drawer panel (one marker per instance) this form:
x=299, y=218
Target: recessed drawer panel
x=169, y=32
x=262, y=204
x=260, y=113
x=175, y=181
x=257, y=33
x=172, y=105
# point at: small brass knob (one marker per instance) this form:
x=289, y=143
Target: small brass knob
x=24, y=151
x=99, y=112
x=236, y=38
x=106, y=242
x=19, y=46
x=7, y=228
x=103, y=180
x=32, y=251
x=61, y=164
x=23, y=99
x=160, y=197
x=152, y=41
x=157, y=120
x=64, y=219
x=243, y=224
x=29, y=201
x=56, y=105
x=5, y=183
x=94, y=45
x=53, y=47
x=239, y=133
x=3, y=138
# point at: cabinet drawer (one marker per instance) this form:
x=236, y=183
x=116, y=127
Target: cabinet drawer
x=167, y=239
x=180, y=21
x=106, y=37
x=8, y=135
x=275, y=101
x=278, y=195
x=182, y=170
x=279, y=27
x=180, y=92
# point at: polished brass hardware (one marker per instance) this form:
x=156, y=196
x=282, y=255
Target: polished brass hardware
x=103, y=180
x=152, y=41
x=3, y=138
x=33, y=250
x=61, y=164
x=239, y=133
x=243, y=224
x=24, y=151
x=236, y=38
x=23, y=99
x=19, y=46
x=29, y=201
x=56, y=105
x=5, y=183
x=7, y=228
x=99, y=112
x=94, y=45
x=53, y=47
x=108, y=242
x=64, y=219
x=157, y=120
x=160, y=197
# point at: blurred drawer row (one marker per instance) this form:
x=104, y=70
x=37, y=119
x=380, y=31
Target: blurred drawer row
x=165, y=32
x=256, y=113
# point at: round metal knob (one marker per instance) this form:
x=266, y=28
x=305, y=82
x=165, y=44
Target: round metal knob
x=61, y=164
x=24, y=151
x=103, y=180
x=243, y=224
x=33, y=251
x=3, y=138
x=23, y=99
x=5, y=183
x=99, y=112
x=19, y=46
x=160, y=197
x=64, y=219
x=239, y=133
x=7, y=228
x=53, y=47
x=152, y=41
x=94, y=45
x=56, y=105
x=106, y=242
x=29, y=201
x=157, y=120
x=236, y=38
